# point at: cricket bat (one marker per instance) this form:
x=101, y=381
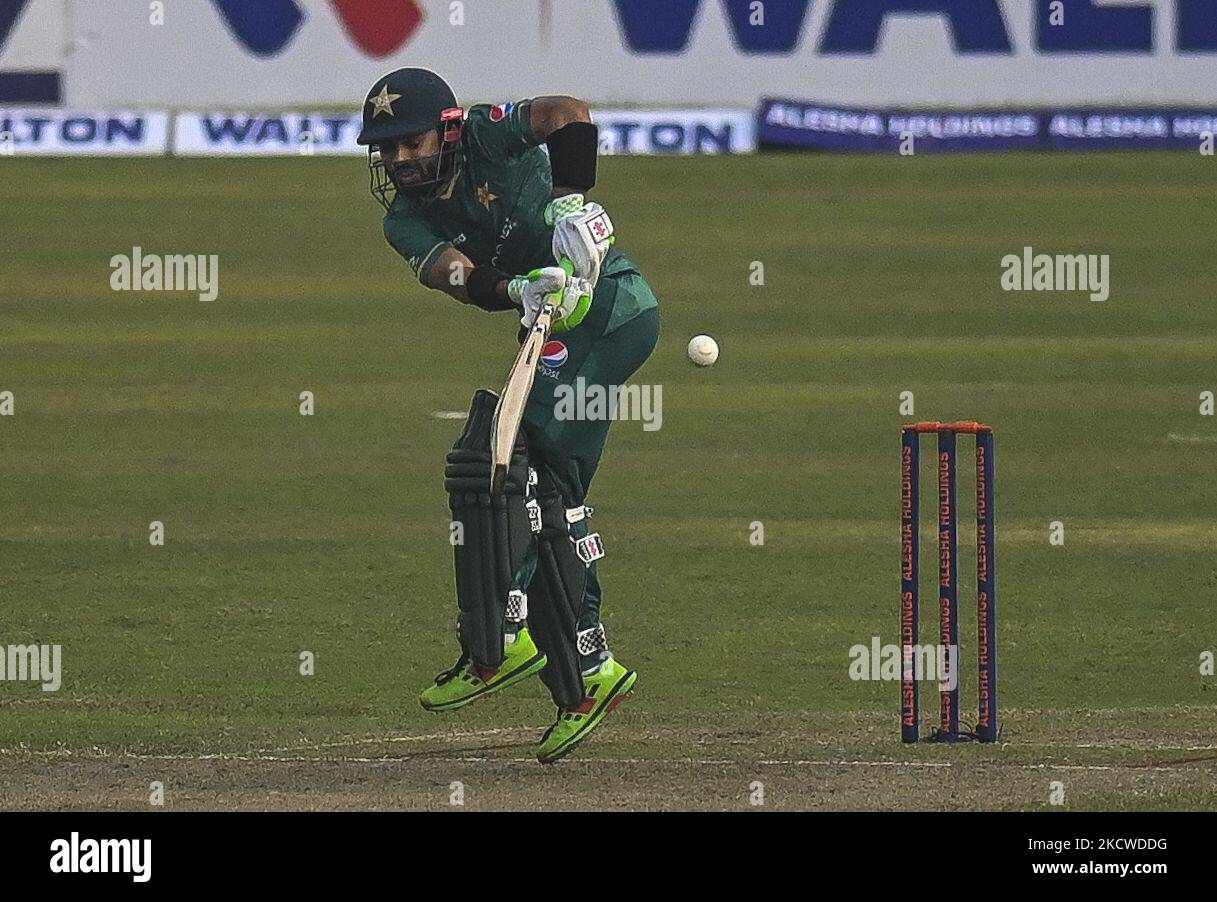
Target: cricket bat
x=510, y=410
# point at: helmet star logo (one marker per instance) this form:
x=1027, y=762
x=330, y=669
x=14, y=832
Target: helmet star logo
x=484, y=195
x=383, y=102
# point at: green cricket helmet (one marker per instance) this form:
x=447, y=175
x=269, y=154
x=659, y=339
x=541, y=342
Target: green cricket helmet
x=404, y=103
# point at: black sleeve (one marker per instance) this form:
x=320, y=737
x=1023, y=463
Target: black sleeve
x=572, y=155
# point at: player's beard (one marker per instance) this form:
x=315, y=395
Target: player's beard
x=416, y=178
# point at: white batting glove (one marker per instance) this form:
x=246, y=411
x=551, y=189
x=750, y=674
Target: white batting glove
x=583, y=234
x=531, y=291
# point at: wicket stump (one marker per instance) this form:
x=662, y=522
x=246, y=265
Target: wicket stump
x=948, y=581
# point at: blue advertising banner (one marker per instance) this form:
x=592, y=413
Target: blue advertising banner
x=53, y=132
x=1128, y=129
x=785, y=123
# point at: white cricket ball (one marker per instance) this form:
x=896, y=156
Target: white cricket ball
x=703, y=350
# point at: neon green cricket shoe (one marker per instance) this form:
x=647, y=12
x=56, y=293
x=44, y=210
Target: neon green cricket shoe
x=465, y=681
x=606, y=689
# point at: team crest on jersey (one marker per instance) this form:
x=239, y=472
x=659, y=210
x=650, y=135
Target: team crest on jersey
x=554, y=354
x=501, y=111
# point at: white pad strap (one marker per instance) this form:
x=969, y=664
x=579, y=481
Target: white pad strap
x=575, y=514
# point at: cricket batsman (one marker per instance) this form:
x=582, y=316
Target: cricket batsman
x=481, y=212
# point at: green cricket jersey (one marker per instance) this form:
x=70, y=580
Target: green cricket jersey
x=494, y=210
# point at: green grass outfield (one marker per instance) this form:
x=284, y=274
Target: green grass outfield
x=329, y=533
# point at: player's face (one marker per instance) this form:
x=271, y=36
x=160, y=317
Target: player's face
x=412, y=161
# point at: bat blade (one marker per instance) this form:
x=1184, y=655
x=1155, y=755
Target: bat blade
x=509, y=411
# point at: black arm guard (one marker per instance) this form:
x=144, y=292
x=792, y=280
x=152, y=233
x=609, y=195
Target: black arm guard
x=572, y=155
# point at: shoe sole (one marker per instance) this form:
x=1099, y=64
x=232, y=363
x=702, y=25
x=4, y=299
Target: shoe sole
x=615, y=697
x=535, y=664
